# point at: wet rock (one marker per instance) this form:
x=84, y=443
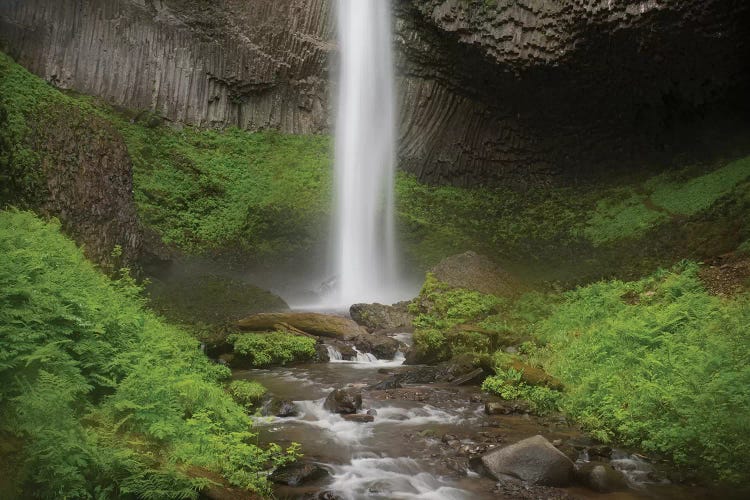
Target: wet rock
x=321, y=354
x=323, y=495
x=475, y=272
x=372, y=411
x=601, y=477
x=324, y=325
x=381, y=346
x=473, y=377
x=393, y=382
x=279, y=408
x=382, y=317
x=533, y=460
x=506, y=407
x=358, y=417
x=298, y=473
x=569, y=451
x=345, y=349
x=344, y=401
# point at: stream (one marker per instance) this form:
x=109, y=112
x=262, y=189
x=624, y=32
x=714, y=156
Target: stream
x=422, y=439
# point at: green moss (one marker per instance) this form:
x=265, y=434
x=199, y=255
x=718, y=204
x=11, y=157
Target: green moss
x=274, y=348
x=623, y=214
x=107, y=399
x=23, y=98
x=246, y=392
x=690, y=196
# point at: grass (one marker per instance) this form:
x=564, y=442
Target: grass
x=105, y=399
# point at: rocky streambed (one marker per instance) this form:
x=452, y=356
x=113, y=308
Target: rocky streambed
x=375, y=428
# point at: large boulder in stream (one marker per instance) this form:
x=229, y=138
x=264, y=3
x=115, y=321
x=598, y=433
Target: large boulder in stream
x=323, y=325
x=298, y=473
x=475, y=272
x=344, y=401
x=534, y=460
x=601, y=477
x=381, y=346
x=382, y=317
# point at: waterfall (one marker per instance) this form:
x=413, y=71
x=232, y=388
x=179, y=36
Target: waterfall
x=364, y=256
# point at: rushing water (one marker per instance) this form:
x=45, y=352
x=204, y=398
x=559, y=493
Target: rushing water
x=365, y=251
x=403, y=452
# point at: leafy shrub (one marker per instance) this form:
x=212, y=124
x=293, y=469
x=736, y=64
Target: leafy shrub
x=508, y=385
x=108, y=400
x=275, y=348
x=431, y=344
x=246, y=392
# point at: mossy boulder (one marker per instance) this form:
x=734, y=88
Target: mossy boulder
x=323, y=325
x=382, y=317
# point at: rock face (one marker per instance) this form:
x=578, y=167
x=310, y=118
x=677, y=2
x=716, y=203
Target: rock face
x=475, y=272
x=382, y=317
x=89, y=184
x=506, y=92
x=530, y=90
x=534, y=460
x=324, y=325
x=260, y=64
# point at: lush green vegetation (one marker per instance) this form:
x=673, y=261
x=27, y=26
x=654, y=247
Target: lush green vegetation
x=273, y=348
x=267, y=194
x=98, y=397
x=657, y=363
x=246, y=392
x=23, y=100
x=203, y=190
x=443, y=220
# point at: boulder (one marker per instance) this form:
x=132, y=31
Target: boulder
x=382, y=346
x=323, y=325
x=534, y=460
x=601, y=477
x=475, y=272
x=343, y=401
x=298, y=473
x=275, y=407
x=382, y=317
x=506, y=407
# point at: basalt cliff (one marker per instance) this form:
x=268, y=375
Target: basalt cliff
x=625, y=83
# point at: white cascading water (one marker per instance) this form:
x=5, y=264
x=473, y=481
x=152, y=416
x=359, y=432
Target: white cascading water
x=364, y=254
